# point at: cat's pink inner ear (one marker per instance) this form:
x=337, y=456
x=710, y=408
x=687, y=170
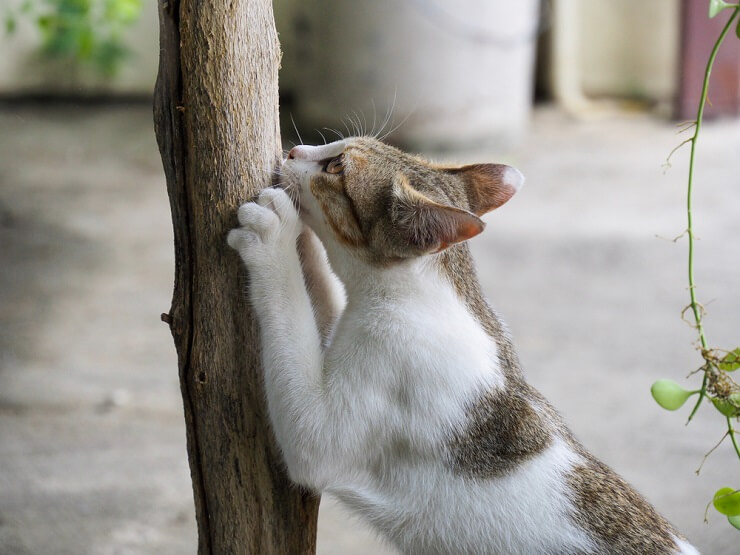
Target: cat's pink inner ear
x=456, y=226
x=489, y=185
x=428, y=225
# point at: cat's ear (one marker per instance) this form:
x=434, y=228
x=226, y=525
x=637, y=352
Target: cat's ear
x=488, y=186
x=427, y=226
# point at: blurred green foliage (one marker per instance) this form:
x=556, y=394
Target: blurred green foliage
x=83, y=32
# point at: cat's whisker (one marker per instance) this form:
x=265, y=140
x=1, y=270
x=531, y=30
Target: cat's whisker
x=396, y=127
x=388, y=115
x=361, y=123
x=375, y=113
x=264, y=171
x=359, y=130
x=320, y=133
x=355, y=123
x=334, y=131
x=364, y=123
x=296, y=128
x=349, y=133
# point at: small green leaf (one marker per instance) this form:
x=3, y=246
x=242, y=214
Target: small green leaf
x=716, y=6
x=85, y=44
x=10, y=24
x=125, y=11
x=731, y=361
x=44, y=22
x=728, y=407
x=735, y=521
x=727, y=501
x=669, y=395
x=737, y=29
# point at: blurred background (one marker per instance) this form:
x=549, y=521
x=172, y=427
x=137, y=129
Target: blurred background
x=584, y=96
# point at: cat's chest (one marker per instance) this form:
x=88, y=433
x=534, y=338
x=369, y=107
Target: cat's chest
x=415, y=346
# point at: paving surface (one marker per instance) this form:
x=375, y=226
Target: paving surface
x=92, y=449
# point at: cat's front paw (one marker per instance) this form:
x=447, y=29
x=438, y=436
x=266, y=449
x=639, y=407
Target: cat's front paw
x=269, y=228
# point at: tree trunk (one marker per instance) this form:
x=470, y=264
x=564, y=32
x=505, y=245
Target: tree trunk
x=216, y=121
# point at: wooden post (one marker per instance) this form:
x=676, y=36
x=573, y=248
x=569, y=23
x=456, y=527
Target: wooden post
x=217, y=125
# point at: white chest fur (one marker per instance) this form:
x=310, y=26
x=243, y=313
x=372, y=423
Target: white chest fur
x=411, y=355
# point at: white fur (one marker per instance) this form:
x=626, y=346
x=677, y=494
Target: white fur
x=513, y=178
x=368, y=418
x=423, y=508
x=684, y=547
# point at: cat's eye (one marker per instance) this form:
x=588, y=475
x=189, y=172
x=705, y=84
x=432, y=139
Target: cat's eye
x=335, y=165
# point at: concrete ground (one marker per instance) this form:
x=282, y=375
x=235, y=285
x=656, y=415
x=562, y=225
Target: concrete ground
x=92, y=448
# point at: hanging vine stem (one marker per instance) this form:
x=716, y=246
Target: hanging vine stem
x=717, y=385
x=695, y=307
x=731, y=432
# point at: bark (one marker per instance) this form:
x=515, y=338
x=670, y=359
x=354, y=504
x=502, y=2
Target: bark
x=216, y=121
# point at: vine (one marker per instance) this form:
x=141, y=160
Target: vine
x=717, y=384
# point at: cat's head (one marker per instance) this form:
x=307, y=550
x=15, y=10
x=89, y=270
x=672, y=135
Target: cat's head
x=383, y=205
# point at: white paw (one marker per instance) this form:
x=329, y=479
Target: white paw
x=258, y=220
x=269, y=227
x=242, y=239
x=278, y=201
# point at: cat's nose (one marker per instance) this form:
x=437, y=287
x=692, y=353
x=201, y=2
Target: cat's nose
x=298, y=153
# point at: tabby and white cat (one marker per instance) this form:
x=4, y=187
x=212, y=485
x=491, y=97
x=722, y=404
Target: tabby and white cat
x=391, y=383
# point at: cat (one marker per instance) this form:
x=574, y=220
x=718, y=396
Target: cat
x=393, y=385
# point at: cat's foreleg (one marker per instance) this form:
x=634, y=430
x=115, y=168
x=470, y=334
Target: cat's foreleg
x=324, y=288
x=291, y=346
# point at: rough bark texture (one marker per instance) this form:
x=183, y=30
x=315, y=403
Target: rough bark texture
x=216, y=120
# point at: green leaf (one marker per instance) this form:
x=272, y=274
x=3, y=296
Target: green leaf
x=731, y=361
x=737, y=29
x=10, y=24
x=716, y=6
x=728, y=407
x=85, y=44
x=669, y=395
x=727, y=501
x=735, y=521
x=108, y=56
x=124, y=11
x=44, y=22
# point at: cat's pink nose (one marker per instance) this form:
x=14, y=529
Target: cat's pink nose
x=298, y=153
